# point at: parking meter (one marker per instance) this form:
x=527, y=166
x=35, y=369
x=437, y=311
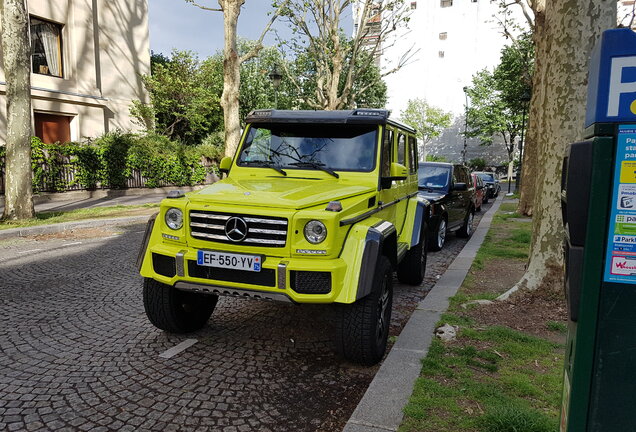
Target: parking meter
x=599, y=214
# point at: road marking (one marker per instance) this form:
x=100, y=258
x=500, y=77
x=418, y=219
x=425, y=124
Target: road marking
x=71, y=244
x=177, y=349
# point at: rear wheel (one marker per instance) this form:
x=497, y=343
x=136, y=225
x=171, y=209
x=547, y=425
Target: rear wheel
x=439, y=236
x=363, y=327
x=176, y=311
x=412, y=269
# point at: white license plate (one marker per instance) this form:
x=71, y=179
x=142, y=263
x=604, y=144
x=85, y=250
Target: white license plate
x=229, y=260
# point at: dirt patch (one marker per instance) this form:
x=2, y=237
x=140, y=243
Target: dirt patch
x=497, y=276
x=528, y=312
x=80, y=233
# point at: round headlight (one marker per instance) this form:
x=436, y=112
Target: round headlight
x=174, y=218
x=315, y=231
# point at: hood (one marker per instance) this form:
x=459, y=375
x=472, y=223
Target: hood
x=279, y=192
x=431, y=196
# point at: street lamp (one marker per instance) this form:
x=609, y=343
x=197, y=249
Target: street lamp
x=525, y=98
x=465, y=125
x=276, y=78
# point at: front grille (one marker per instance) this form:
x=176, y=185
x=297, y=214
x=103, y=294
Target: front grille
x=309, y=282
x=265, y=277
x=261, y=230
x=164, y=265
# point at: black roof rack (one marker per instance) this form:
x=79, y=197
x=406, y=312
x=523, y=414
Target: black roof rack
x=356, y=116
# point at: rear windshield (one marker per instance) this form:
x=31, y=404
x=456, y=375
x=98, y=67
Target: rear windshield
x=486, y=177
x=337, y=147
x=433, y=177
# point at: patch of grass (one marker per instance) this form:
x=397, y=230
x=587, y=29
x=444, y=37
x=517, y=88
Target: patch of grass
x=557, y=326
x=46, y=218
x=516, y=418
x=492, y=378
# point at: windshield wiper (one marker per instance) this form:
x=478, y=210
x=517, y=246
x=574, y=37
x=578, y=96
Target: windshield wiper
x=317, y=165
x=265, y=164
x=426, y=188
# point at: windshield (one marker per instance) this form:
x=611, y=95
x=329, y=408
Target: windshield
x=433, y=177
x=486, y=177
x=326, y=147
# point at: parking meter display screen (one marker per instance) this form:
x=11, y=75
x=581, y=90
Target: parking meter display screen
x=620, y=260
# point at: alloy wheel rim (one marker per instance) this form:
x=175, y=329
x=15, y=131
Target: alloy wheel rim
x=383, y=303
x=441, y=234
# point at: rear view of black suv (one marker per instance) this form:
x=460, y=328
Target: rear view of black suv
x=449, y=188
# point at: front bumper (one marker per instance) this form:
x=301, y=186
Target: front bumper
x=298, y=280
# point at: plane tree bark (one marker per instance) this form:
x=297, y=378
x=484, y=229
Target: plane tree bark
x=16, y=57
x=570, y=31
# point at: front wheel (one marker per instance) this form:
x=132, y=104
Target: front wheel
x=412, y=269
x=362, y=328
x=467, y=229
x=176, y=311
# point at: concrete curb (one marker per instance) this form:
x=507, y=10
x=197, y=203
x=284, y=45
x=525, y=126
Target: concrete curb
x=68, y=226
x=381, y=407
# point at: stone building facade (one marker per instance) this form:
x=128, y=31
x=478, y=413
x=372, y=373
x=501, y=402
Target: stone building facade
x=87, y=60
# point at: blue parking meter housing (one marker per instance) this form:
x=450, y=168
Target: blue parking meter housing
x=599, y=216
x=611, y=95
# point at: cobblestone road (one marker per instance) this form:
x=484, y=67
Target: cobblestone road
x=78, y=354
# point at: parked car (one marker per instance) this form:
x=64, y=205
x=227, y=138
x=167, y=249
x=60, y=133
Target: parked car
x=480, y=191
x=491, y=182
x=449, y=189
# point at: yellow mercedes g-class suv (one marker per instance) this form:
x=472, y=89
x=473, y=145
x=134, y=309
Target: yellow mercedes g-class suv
x=315, y=207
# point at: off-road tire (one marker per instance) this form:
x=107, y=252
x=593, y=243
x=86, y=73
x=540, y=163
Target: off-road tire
x=467, y=228
x=412, y=269
x=486, y=198
x=362, y=328
x=176, y=311
x=437, y=239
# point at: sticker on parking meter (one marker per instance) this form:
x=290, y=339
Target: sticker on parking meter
x=620, y=259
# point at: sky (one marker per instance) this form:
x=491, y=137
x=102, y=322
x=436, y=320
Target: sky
x=180, y=25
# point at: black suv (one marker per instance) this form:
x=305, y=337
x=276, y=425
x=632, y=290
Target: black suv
x=449, y=188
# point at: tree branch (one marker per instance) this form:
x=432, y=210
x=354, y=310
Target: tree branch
x=258, y=46
x=200, y=6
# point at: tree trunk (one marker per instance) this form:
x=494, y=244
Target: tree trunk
x=572, y=28
x=16, y=55
x=231, y=75
x=529, y=163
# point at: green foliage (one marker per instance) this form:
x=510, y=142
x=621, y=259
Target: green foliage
x=435, y=158
x=557, y=326
x=184, y=98
x=477, y=164
x=109, y=161
x=429, y=121
x=498, y=99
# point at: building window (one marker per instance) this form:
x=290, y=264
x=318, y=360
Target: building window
x=413, y=5
x=52, y=128
x=46, y=47
x=440, y=54
x=446, y=3
x=443, y=36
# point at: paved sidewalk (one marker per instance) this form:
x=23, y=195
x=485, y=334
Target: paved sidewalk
x=88, y=199
x=381, y=407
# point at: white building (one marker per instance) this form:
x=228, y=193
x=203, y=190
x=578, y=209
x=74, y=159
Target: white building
x=87, y=61
x=451, y=41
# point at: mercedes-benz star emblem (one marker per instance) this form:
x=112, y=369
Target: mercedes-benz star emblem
x=236, y=229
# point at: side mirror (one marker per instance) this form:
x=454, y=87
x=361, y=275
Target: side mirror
x=460, y=187
x=225, y=164
x=398, y=171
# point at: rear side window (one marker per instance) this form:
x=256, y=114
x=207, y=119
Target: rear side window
x=460, y=175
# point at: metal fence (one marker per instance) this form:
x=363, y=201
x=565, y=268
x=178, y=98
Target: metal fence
x=66, y=176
